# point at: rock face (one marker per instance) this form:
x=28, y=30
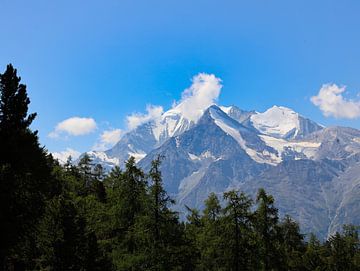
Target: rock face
x=312, y=171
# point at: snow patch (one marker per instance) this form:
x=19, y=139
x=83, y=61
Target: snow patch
x=103, y=156
x=229, y=129
x=305, y=147
x=203, y=156
x=193, y=157
x=226, y=109
x=138, y=156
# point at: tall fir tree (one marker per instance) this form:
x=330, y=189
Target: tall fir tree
x=210, y=237
x=127, y=199
x=25, y=169
x=238, y=228
x=292, y=245
x=266, y=226
x=167, y=233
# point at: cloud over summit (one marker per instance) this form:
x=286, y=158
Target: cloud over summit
x=203, y=92
x=136, y=119
x=108, y=139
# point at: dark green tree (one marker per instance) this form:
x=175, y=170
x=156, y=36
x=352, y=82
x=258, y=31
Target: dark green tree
x=292, y=244
x=312, y=258
x=342, y=249
x=63, y=241
x=238, y=230
x=127, y=200
x=193, y=229
x=266, y=226
x=210, y=238
x=167, y=245
x=85, y=169
x=25, y=170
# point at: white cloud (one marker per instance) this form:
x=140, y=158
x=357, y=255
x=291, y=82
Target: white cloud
x=203, y=92
x=332, y=103
x=74, y=126
x=111, y=136
x=108, y=139
x=136, y=119
x=64, y=155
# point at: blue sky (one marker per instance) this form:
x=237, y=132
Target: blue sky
x=107, y=59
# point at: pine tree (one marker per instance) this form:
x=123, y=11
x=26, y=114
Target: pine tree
x=292, y=245
x=167, y=234
x=64, y=242
x=312, y=259
x=342, y=248
x=193, y=229
x=85, y=169
x=266, y=226
x=99, y=172
x=25, y=169
x=210, y=238
x=127, y=200
x=14, y=102
x=238, y=226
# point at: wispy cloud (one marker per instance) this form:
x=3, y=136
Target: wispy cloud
x=74, y=126
x=108, y=139
x=64, y=155
x=332, y=103
x=136, y=119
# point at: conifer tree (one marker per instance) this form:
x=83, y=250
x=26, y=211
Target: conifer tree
x=266, y=225
x=164, y=224
x=127, y=199
x=25, y=168
x=210, y=238
x=85, y=169
x=238, y=225
x=193, y=229
x=341, y=249
x=313, y=258
x=292, y=245
x=63, y=240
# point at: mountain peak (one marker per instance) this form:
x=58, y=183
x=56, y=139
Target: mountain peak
x=283, y=122
x=281, y=108
x=234, y=112
x=228, y=109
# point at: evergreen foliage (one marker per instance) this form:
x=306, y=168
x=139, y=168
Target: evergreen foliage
x=25, y=171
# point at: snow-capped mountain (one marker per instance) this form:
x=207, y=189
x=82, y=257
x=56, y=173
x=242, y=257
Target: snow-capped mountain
x=144, y=138
x=277, y=125
x=311, y=170
x=282, y=122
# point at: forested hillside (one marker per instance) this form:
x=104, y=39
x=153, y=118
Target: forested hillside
x=76, y=217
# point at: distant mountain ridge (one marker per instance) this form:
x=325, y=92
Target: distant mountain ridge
x=311, y=170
